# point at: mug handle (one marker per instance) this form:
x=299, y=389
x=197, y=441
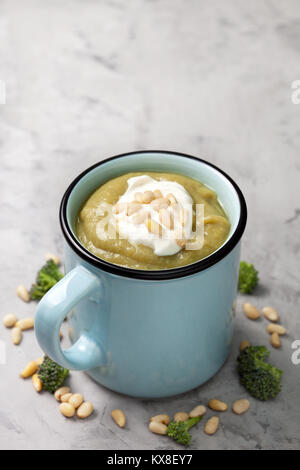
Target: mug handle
x=86, y=353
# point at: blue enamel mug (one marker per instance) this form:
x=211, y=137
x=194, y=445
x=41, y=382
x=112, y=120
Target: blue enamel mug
x=144, y=333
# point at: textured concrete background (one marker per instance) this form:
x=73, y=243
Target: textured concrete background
x=87, y=80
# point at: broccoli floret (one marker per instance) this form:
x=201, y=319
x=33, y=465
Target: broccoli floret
x=248, y=277
x=178, y=430
x=51, y=374
x=47, y=277
x=261, y=380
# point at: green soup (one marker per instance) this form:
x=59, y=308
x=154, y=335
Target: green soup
x=122, y=252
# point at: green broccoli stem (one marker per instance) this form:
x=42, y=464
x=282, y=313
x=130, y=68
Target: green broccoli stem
x=192, y=421
x=178, y=430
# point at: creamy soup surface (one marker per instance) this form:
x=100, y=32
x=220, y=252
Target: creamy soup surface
x=152, y=221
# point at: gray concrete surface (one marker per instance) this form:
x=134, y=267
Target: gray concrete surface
x=87, y=80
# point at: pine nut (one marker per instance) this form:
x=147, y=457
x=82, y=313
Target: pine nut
x=76, y=400
x=54, y=258
x=160, y=203
x=39, y=361
x=208, y=194
x=155, y=204
x=158, y=428
x=25, y=323
x=29, y=370
x=153, y=226
x=162, y=418
x=241, y=406
x=244, y=344
x=85, y=410
x=119, y=417
x=148, y=196
x=166, y=218
x=181, y=416
x=199, y=410
x=16, y=335
x=251, y=311
x=171, y=198
x=60, y=392
x=270, y=314
x=214, y=219
x=139, y=197
x=65, y=398
x=23, y=293
x=119, y=207
x=67, y=410
x=9, y=320
x=140, y=217
x=37, y=383
x=132, y=207
x=157, y=194
x=217, y=405
x=181, y=243
x=272, y=328
x=275, y=340
x=183, y=217
x=211, y=425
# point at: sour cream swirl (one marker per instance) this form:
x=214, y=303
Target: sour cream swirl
x=136, y=233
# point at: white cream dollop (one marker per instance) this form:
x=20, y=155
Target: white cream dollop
x=138, y=233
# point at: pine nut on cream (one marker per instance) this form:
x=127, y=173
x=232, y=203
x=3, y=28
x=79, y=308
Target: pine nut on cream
x=148, y=196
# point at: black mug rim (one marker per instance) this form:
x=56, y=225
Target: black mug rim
x=159, y=275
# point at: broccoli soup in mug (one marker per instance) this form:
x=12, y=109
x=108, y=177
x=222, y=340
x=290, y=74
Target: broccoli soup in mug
x=152, y=221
